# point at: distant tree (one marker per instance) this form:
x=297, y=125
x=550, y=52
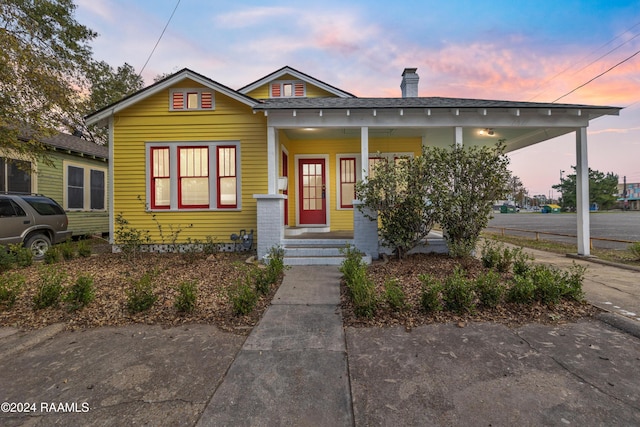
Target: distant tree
x=44, y=54
x=517, y=190
x=107, y=86
x=602, y=189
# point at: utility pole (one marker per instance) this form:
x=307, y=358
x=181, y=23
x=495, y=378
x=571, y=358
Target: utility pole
x=625, y=202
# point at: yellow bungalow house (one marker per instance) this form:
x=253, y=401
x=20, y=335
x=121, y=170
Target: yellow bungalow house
x=281, y=156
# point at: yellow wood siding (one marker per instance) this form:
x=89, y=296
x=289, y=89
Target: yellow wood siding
x=340, y=219
x=151, y=121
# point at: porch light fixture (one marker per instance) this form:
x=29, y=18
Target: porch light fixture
x=487, y=131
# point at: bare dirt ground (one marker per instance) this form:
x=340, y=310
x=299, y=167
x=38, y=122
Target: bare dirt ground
x=440, y=266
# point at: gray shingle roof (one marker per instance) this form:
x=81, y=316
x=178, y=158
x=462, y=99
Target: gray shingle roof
x=75, y=144
x=422, y=102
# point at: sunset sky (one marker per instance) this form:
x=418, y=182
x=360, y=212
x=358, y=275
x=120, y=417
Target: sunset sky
x=506, y=50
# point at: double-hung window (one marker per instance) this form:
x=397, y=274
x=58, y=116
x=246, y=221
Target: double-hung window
x=15, y=176
x=347, y=181
x=85, y=187
x=193, y=176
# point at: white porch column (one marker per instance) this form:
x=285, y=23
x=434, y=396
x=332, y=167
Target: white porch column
x=582, y=192
x=364, y=151
x=458, y=136
x=272, y=161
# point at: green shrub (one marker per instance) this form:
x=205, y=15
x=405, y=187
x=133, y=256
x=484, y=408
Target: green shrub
x=140, y=296
x=23, y=256
x=49, y=288
x=521, y=262
x=522, y=290
x=573, y=282
x=67, y=250
x=262, y=282
x=84, y=248
x=363, y=293
x=549, y=284
x=634, y=248
x=490, y=254
x=394, y=295
x=130, y=240
x=489, y=289
x=187, y=295
x=430, y=295
x=210, y=247
x=457, y=292
x=243, y=297
x=7, y=259
x=52, y=255
x=80, y=293
x=11, y=285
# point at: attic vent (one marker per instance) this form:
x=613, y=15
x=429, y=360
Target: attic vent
x=288, y=89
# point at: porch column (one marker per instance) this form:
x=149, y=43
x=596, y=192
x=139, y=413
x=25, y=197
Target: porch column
x=272, y=161
x=270, y=211
x=458, y=136
x=364, y=151
x=582, y=192
x=365, y=231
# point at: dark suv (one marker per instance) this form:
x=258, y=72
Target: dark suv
x=34, y=220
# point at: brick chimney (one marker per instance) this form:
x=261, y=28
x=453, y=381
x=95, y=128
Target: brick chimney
x=409, y=83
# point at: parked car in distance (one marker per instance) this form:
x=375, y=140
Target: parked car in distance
x=34, y=220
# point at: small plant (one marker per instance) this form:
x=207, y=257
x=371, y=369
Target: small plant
x=187, y=295
x=80, y=293
x=22, y=256
x=52, y=255
x=129, y=239
x=634, y=248
x=430, y=296
x=457, y=292
x=352, y=262
x=521, y=262
x=573, y=282
x=140, y=296
x=394, y=295
x=490, y=254
x=191, y=250
x=7, y=259
x=243, y=297
x=67, y=250
x=11, y=285
x=276, y=266
x=489, y=289
x=210, y=247
x=363, y=293
x=84, y=249
x=50, y=288
x=262, y=282
x=549, y=284
x=522, y=290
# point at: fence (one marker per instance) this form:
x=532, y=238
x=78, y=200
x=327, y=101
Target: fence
x=538, y=233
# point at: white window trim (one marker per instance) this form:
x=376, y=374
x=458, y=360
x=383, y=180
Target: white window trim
x=281, y=83
x=87, y=186
x=173, y=174
x=186, y=91
x=387, y=156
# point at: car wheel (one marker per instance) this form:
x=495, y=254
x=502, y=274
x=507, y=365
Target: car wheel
x=39, y=244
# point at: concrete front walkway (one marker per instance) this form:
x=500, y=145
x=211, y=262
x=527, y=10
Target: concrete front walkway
x=292, y=369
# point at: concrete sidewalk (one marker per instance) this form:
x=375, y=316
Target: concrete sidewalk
x=292, y=370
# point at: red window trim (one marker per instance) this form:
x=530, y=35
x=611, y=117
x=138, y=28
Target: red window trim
x=180, y=205
x=353, y=159
x=218, y=176
x=153, y=179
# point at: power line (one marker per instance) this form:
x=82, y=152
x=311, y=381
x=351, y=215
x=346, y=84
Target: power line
x=159, y=38
x=598, y=76
x=585, y=57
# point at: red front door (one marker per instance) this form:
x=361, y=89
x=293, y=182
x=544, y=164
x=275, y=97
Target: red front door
x=312, y=192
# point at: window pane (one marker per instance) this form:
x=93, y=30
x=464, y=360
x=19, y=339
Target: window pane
x=195, y=191
x=227, y=191
x=194, y=162
x=161, y=192
x=18, y=176
x=192, y=100
x=288, y=89
x=97, y=189
x=160, y=178
x=3, y=172
x=75, y=187
x=348, y=194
